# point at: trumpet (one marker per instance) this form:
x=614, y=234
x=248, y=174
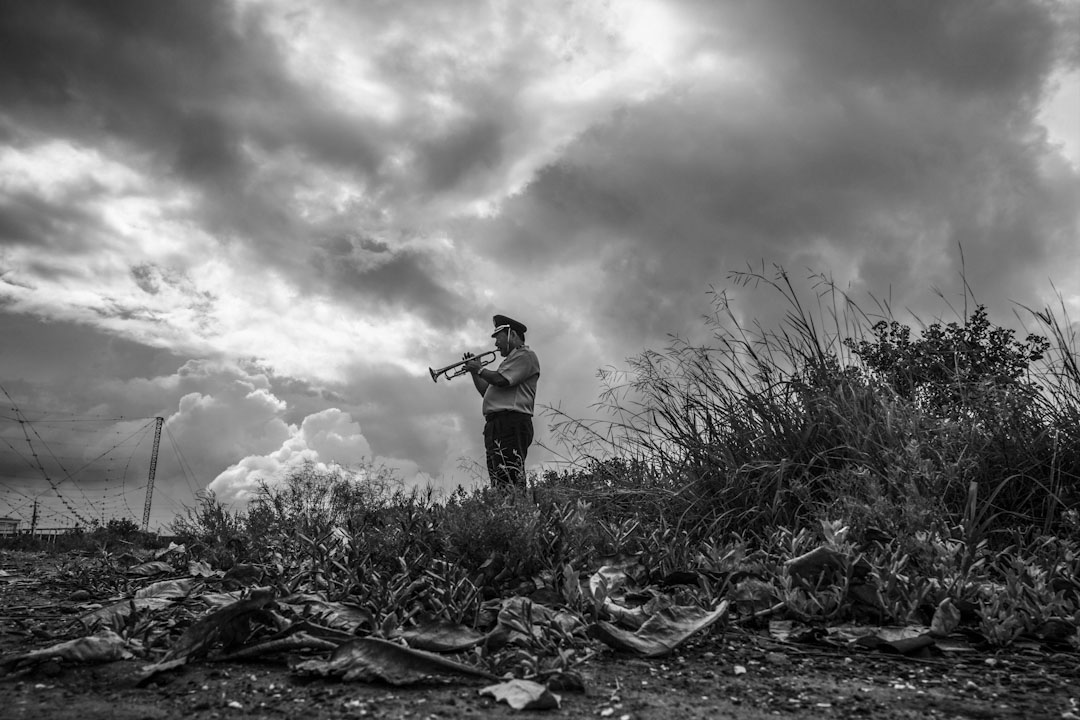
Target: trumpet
x=484, y=360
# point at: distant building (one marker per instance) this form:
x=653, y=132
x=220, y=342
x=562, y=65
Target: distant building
x=9, y=526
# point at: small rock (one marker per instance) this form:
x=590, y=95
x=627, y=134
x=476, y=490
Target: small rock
x=775, y=658
x=79, y=596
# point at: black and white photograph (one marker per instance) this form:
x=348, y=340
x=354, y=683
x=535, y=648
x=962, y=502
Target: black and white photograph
x=596, y=358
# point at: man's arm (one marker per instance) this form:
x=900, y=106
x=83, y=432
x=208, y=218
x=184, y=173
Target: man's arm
x=484, y=377
x=479, y=383
x=492, y=377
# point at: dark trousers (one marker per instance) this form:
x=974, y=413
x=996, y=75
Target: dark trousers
x=507, y=436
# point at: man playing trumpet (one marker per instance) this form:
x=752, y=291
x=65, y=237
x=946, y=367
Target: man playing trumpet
x=509, y=393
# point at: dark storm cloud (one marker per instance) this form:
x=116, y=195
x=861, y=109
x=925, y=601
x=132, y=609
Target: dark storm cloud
x=184, y=85
x=205, y=96
x=873, y=139
x=126, y=67
x=384, y=280
x=967, y=47
x=27, y=219
x=451, y=159
x=63, y=363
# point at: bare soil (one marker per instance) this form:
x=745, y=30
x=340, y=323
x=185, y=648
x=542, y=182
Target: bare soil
x=720, y=674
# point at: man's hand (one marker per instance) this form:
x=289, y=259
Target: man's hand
x=473, y=364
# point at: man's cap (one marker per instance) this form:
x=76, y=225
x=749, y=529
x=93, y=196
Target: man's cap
x=502, y=321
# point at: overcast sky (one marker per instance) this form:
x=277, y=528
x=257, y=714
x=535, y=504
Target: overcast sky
x=263, y=221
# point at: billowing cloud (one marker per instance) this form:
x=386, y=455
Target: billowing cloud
x=327, y=438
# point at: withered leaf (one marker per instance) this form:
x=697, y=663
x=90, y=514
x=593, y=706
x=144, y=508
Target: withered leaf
x=224, y=624
x=372, y=659
x=523, y=695
x=105, y=646
x=662, y=632
x=442, y=636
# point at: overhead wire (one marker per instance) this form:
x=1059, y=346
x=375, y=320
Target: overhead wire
x=143, y=429
x=185, y=467
x=33, y=453
x=98, y=500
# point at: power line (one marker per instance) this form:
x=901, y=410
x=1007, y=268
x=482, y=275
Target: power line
x=33, y=453
x=94, y=418
x=106, y=493
x=144, y=429
x=185, y=468
x=141, y=432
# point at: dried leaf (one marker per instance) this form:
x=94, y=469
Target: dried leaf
x=148, y=569
x=290, y=643
x=198, y=568
x=225, y=625
x=520, y=614
x=785, y=631
x=201, y=635
x=104, y=646
x=173, y=548
x=850, y=632
x=371, y=659
x=343, y=616
x=167, y=589
x=628, y=617
x=523, y=695
x=115, y=616
x=911, y=646
x=220, y=600
x=662, y=632
x=946, y=618
x=442, y=636
x=607, y=580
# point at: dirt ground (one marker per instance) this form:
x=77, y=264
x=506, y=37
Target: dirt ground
x=720, y=674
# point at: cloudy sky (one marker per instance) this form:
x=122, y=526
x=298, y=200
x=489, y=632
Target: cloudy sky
x=263, y=221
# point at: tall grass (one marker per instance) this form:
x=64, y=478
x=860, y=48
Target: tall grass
x=840, y=413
